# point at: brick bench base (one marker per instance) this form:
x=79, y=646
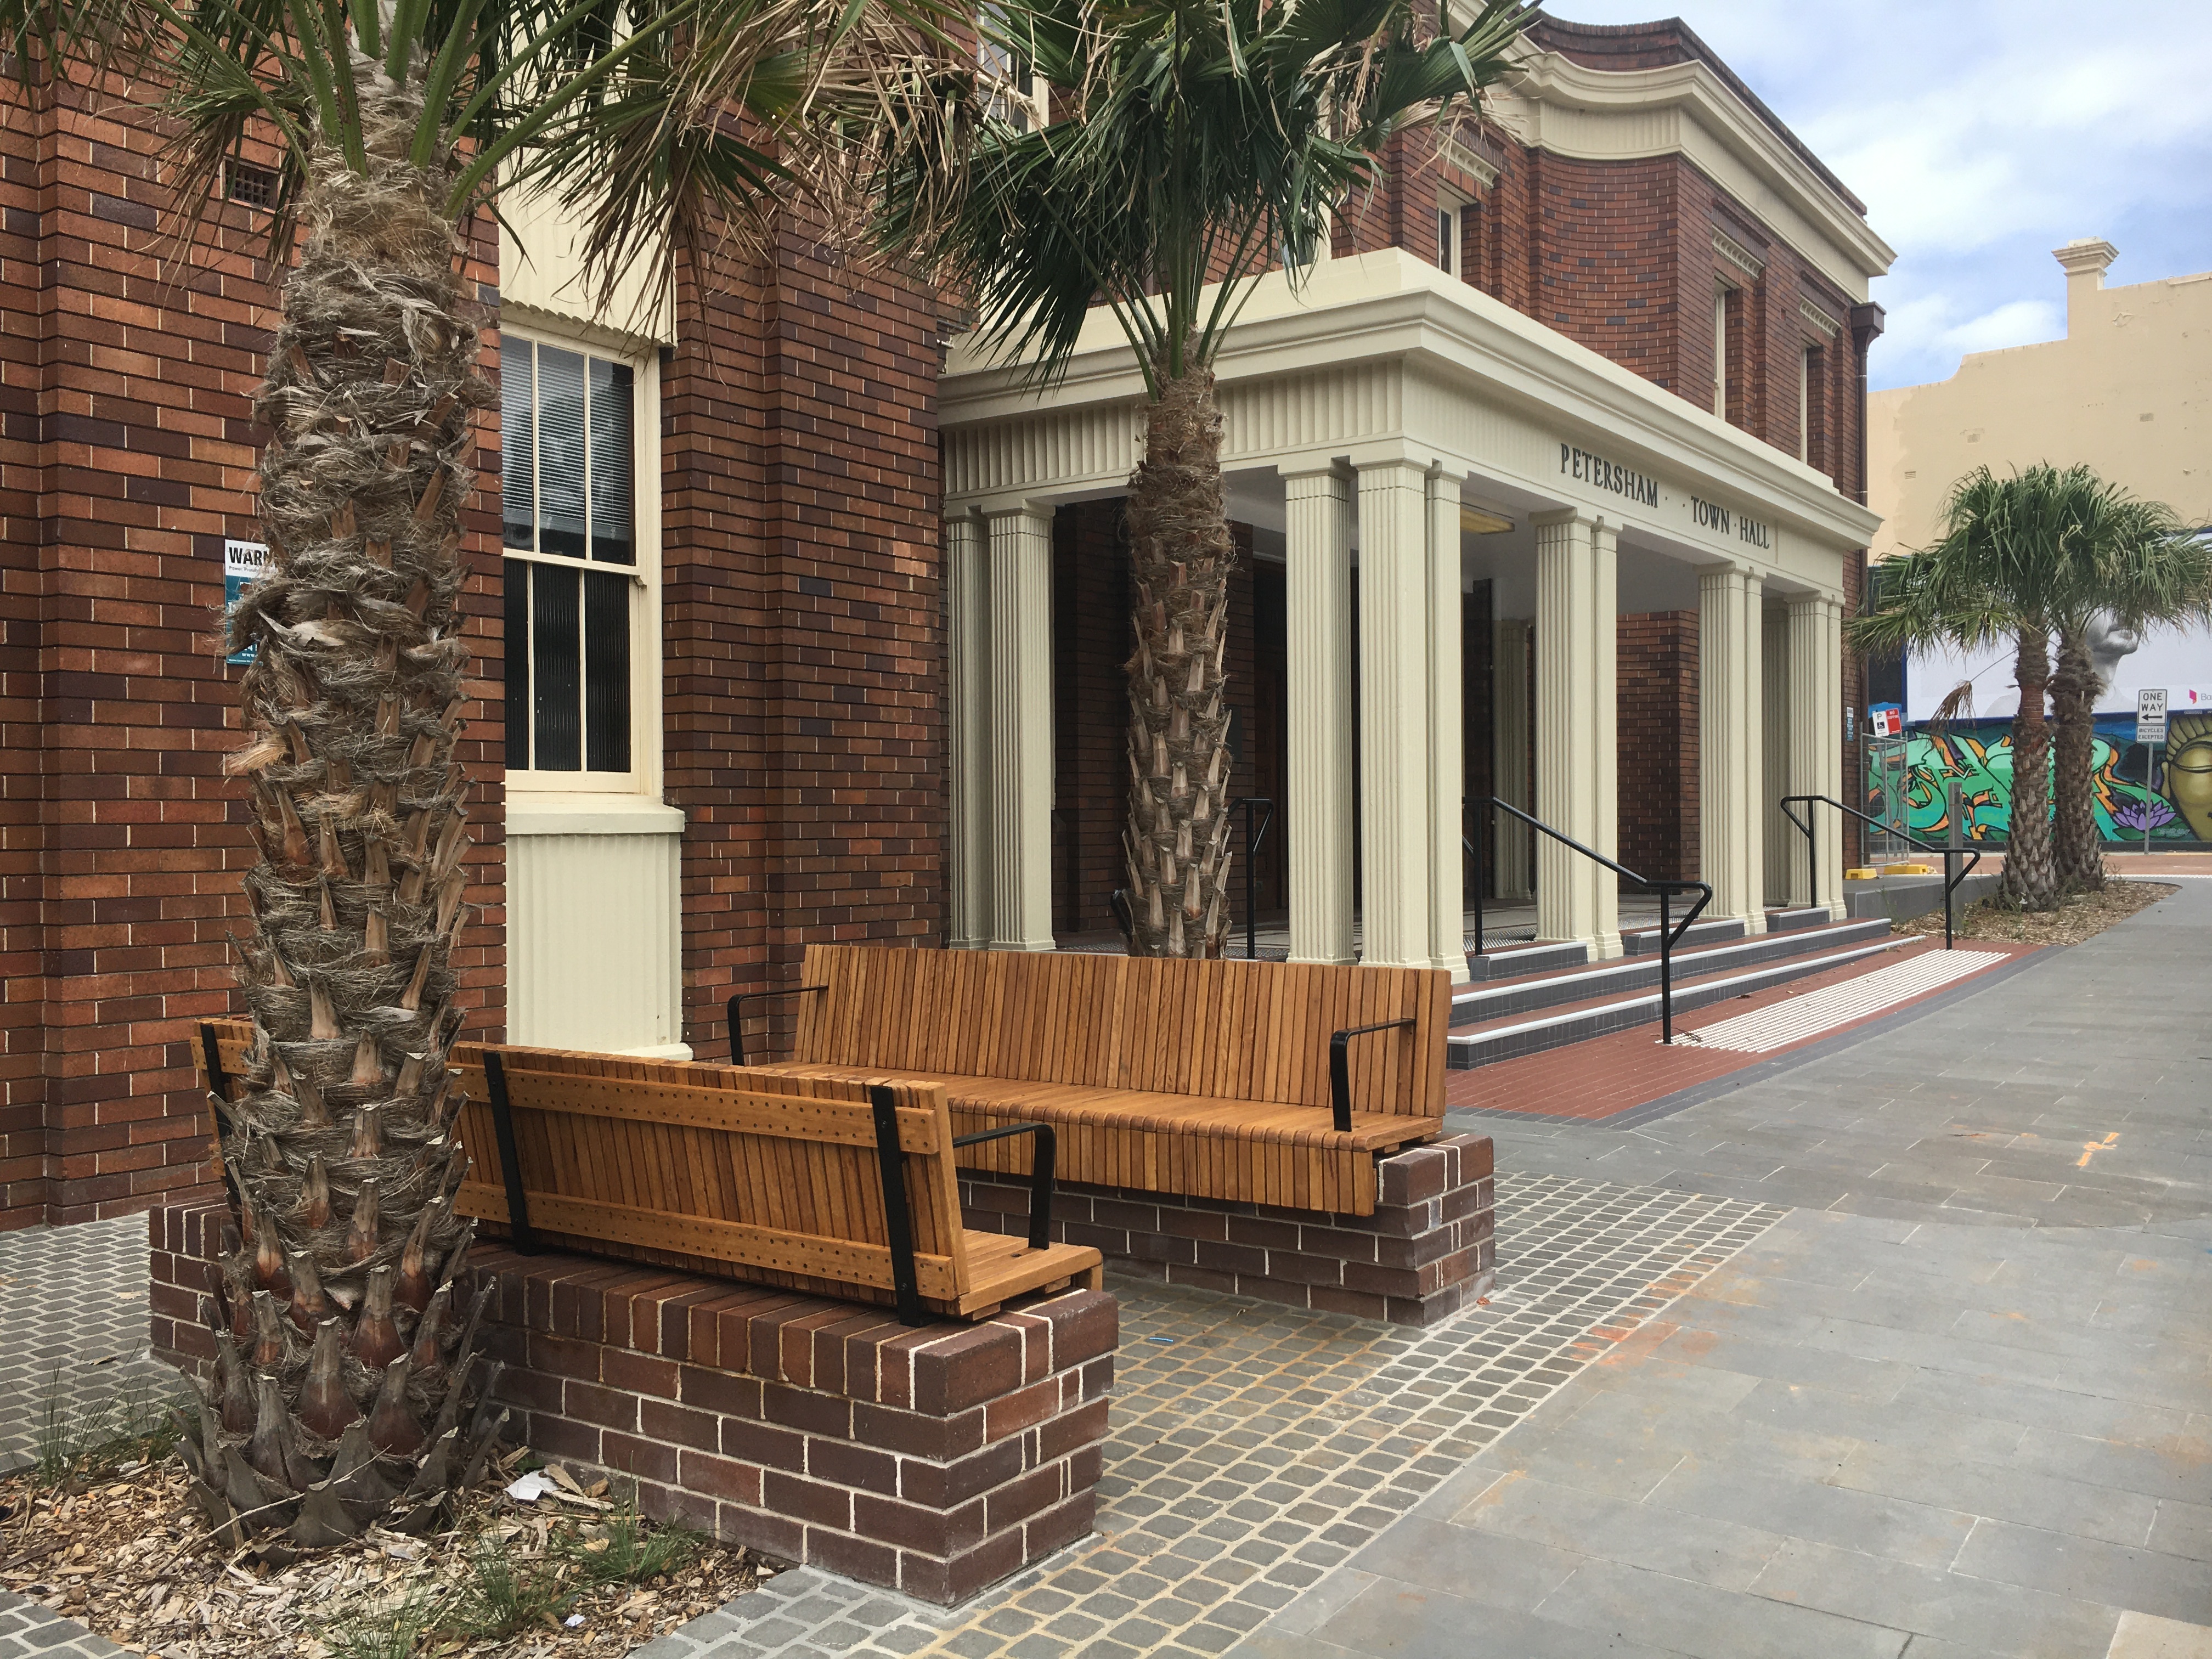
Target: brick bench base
x=934, y=1461
x=1426, y=1252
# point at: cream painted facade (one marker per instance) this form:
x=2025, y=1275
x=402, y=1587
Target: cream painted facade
x=1363, y=414
x=593, y=893
x=2128, y=391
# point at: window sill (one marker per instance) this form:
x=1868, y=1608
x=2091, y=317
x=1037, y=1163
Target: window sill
x=532, y=813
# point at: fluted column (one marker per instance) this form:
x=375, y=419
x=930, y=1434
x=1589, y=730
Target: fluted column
x=1021, y=729
x=968, y=733
x=1731, y=743
x=1318, y=816
x=1576, y=899
x=1815, y=704
x=1395, y=814
x=1605, y=753
x=1448, y=872
x=1509, y=756
x=1784, y=861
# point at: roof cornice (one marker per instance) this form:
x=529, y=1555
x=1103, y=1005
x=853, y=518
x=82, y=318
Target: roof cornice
x=1569, y=109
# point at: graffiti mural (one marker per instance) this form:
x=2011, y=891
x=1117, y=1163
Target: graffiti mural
x=1978, y=754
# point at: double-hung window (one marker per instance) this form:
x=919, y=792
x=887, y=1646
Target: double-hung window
x=579, y=565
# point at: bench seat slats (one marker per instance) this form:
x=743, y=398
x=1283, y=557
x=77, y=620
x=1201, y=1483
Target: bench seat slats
x=1210, y=1079
x=768, y=1176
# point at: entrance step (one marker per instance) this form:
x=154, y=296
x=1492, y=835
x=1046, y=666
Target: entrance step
x=1784, y=921
x=1644, y=941
x=1478, y=1005
x=1522, y=959
x=1503, y=1039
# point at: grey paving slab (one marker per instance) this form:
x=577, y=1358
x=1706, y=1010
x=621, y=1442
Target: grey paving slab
x=1956, y=1403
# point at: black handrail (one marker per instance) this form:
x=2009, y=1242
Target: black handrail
x=1670, y=932
x=1951, y=877
x=1252, y=839
x=1340, y=1067
x=733, y=1012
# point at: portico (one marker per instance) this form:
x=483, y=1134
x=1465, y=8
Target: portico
x=1396, y=439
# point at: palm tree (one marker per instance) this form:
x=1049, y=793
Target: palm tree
x=2022, y=557
x=2137, y=563
x=1998, y=572
x=1193, y=145
x=345, y=1389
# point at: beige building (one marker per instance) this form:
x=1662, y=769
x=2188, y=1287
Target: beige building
x=2128, y=391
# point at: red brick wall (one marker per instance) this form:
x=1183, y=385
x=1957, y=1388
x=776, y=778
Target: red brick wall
x=126, y=457
x=1620, y=257
x=1656, y=744
x=802, y=618
x=803, y=614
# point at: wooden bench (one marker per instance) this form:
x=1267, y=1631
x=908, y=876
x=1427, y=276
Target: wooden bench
x=1265, y=1082
x=831, y=1187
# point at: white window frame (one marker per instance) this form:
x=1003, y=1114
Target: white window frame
x=1805, y=402
x=1721, y=291
x=644, y=776
x=1451, y=234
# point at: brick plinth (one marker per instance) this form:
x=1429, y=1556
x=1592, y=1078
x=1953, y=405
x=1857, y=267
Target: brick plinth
x=1426, y=1252
x=934, y=1461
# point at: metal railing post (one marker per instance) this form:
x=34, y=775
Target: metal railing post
x=1670, y=932
x=1253, y=837
x=1474, y=842
x=1952, y=876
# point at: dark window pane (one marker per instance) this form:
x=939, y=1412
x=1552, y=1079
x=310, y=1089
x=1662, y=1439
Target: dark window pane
x=554, y=668
x=514, y=575
x=561, y=452
x=606, y=669
x=611, y=450
x=518, y=448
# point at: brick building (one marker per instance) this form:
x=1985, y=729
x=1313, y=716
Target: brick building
x=748, y=633
x=1449, y=380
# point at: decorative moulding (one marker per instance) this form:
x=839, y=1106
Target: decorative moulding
x=1455, y=153
x=1818, y=318
x=1738, y=255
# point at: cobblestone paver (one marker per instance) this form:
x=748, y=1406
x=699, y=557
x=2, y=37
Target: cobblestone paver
x=1252, y=1447
x=72, y=1330
x=26, y=1628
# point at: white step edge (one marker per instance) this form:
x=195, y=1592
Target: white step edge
x=1836, y=959
x=1477, y=990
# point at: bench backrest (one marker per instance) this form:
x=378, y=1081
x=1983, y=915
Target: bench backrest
x=710, y=1168
x=775, y=1174
x=1241, y=1030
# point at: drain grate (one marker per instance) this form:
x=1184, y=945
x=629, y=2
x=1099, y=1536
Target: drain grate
x=1796, y=1019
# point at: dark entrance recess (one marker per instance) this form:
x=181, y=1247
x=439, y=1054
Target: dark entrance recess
x=1091, y=641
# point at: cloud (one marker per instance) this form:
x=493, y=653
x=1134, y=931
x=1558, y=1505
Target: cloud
x=1936, y=329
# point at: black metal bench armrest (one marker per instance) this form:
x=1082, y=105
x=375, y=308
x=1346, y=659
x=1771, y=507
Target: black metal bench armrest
x=733, y=1011
x=1339, y=1066
x=1041, y=1168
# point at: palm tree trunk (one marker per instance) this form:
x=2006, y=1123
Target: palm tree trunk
x=1176, y=842
x=343, y=1365
x=2080, y=850
x=2031, y=874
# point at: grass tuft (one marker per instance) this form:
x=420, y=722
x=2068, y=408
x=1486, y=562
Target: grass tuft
x=501, y=1599
x=135, y=1423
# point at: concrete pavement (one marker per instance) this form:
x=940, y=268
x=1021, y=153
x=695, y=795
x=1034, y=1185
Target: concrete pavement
x=1953, y=1405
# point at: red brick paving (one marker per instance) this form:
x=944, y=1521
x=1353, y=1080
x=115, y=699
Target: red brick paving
x=1605, y=1076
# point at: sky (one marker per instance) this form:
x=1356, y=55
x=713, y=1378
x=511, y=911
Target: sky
x=1982, y=134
